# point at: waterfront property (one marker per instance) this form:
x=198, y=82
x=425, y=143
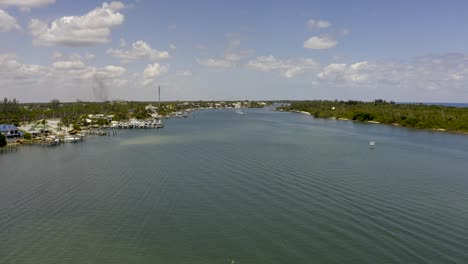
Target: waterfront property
x=10, y=131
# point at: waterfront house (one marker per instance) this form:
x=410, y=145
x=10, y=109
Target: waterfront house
x=10, y=131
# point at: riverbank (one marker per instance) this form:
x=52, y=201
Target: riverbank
x=429, y=117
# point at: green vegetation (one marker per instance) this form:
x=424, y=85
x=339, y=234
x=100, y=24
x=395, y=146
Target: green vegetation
x=76, y=113
x=10, y=112
x=27, y=136
x=407, y=115
x=3, y=141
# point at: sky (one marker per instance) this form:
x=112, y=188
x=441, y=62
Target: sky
x=406, y=51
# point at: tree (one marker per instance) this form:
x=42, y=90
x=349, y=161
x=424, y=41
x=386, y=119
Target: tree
x=3, y=141
x=54, y=104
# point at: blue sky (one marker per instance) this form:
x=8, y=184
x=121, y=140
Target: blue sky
x=229, y=50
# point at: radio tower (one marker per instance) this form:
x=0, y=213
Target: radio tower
x=159, y=96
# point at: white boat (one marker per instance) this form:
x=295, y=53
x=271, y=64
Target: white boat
x=159, y=124
x=71, y=139
x=52, y=140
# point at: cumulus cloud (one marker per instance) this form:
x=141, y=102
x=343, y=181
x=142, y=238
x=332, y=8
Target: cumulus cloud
x=26, y=4
x=89, y=29
x=288, y=68
x=318, y=24
x=422, y=76
x=320, y=42
x=13, y=70
x=357, y=72
x=110, y=71
x=68, y=65
x=58, y=56
x=152, y=71
x=7, y=22
x=417, y=79
x=139, y=50
x=62, y=77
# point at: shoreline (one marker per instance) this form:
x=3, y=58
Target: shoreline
x=379, y=123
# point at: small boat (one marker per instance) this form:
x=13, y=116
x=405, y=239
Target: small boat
x=71, y=139
x=159, y=124
x=52, y=141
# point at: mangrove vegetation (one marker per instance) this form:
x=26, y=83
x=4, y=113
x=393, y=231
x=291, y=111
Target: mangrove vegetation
x=407, y=115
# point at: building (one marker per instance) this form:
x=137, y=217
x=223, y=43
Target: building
x=10, y=131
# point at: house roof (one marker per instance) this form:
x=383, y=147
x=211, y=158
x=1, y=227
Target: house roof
x=39, y=127
x=5, y=127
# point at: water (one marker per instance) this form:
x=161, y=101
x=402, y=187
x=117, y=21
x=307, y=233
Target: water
x=220, y=187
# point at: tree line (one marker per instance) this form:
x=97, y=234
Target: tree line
x=407, y=115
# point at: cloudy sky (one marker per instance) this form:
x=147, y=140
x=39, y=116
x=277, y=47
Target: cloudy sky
x=229, y=50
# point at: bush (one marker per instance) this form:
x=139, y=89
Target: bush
x=3, y=141
x=27, y=136
x=363, y=116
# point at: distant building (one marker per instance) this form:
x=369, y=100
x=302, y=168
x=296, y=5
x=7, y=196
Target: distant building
x=10, y=131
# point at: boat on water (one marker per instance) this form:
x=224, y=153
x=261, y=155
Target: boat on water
x=159, y=124
x=155, y=123
x=71, y=139
x=52, y=140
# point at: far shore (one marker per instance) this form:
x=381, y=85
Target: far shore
x=379, y=123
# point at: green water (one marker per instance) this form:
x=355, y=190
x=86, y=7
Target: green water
x=219, y=187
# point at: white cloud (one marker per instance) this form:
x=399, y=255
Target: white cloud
x=318, y=24
x=110, y=71
x=12, y=69
x=89, y=29
x=215, y=63
x=63, y=72
x=288, y=68
x=444, y=74
x=139, y=50
x=58, y=56
x=172, y=46
x=7, y=22
x=152, y=71
x=68, y=65
x=320, y=43
x=26, y=4
x=357, y=72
